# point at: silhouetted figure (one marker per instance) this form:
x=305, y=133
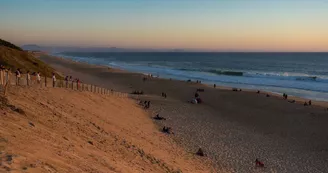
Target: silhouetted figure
x=267, y=95
x=200, y=152
x=234, y=89
x=200, y=90
x=305, y=104
x=148, y=104
x=291, y=101
x=240, y=90
x=157, y=117
x=196, y=95
x=66, y=81
x=285, y=96
x=310, y=102
x=18, y=76
x=258, y=92
x=167, y=130
x=259, y=163
x=164, y=95
x=138, y=92
x=214, y=85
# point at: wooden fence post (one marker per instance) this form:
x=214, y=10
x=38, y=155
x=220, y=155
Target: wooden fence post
x=77, y=85
x=45, y=81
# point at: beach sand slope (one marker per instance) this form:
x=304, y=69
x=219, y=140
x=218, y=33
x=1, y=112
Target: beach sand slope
x=59, y=130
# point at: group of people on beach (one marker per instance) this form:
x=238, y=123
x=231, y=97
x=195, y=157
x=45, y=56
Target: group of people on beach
x=69, y=79
x=31, y=77
x=145, y=104
x=5, y=76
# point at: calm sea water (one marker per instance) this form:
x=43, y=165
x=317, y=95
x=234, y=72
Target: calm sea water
x=298, y=74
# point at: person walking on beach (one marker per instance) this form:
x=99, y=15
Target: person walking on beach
x=18, y=76
x=28, y=78
x=53, y=80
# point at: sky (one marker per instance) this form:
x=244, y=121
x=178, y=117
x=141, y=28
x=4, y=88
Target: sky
x=213, y=25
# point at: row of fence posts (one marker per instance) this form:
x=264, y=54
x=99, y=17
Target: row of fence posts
x=5, y=80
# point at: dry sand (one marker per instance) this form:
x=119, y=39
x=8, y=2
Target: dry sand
x=57, y=130
x=234, y=128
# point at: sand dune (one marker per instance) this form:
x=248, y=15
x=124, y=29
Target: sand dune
x=58, y=130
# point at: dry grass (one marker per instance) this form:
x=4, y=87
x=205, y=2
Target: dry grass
x=13, y=58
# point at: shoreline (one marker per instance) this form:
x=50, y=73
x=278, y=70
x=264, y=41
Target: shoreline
x=233, y=128
x=299, y=100
x=314, y=94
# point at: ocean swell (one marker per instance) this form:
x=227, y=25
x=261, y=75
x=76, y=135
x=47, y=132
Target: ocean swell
x=267, y=75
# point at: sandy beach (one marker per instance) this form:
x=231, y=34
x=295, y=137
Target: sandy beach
x=57, y=130
x=234, y=128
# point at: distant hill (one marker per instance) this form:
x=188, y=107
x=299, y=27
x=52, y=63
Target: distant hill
x=12, y=56
x=8, y=44
x=60, y=49
x=32, y=47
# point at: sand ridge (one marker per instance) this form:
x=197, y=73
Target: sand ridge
x=64, y=131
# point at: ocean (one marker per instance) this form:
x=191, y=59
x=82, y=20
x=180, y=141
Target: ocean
x=298, y=74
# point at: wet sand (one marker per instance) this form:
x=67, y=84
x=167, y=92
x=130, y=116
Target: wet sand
x=233, y=128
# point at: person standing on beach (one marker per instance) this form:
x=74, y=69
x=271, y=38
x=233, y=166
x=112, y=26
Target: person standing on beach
x=53, y=80
x=38, y=78
x=28, y=78
x=18, y=76
x=78, y=83
x=8, y=76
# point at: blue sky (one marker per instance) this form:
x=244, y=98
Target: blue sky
x=241, y=25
